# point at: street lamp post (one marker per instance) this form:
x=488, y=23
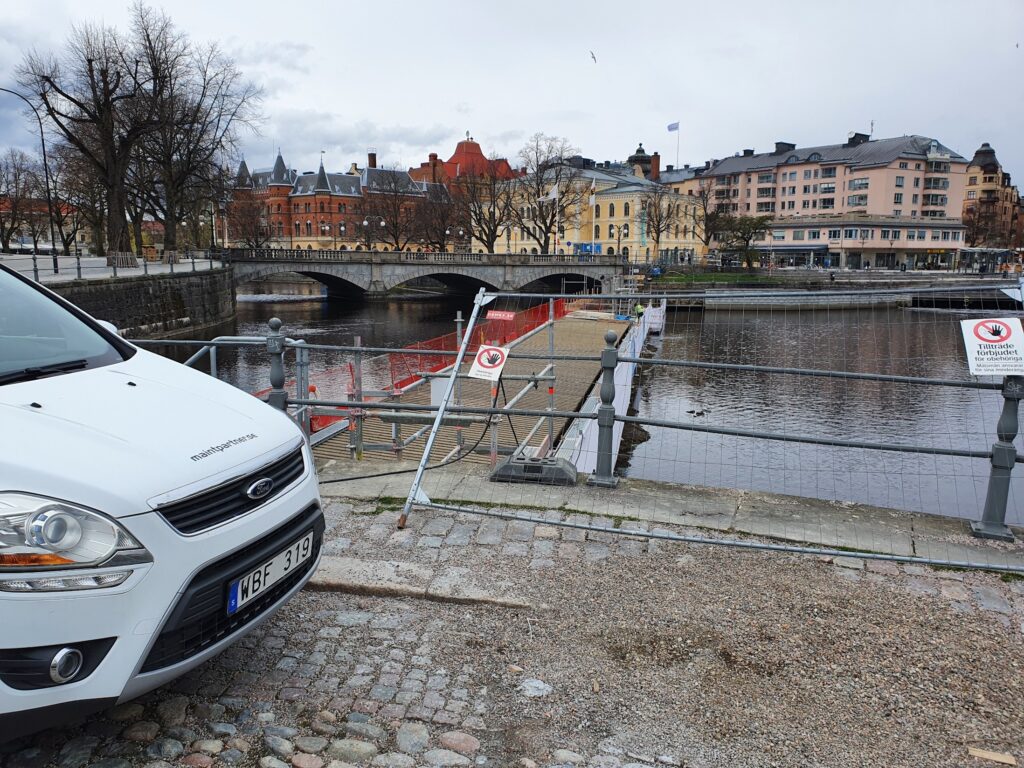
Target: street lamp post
x=448, y=233
x=325, y=228
x=341, y=231
x=367, y=229
x=46, y=172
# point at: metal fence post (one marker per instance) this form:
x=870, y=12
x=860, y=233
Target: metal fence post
x=78, y=264
x=356, y=445
x=170, y=260
x=113, y=262
x=145, y=265
x=1004, y=455
x=551, y=384
x=278, y=397
x=458, y=382
x=35, y=268
x=192, y=256
x=302, y=385
x=604, y=476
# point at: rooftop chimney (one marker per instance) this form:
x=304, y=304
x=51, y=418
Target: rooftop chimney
x=783, y=146
x=433, y=157
x=856, y=139
x=371, y=158
x=655, y=167
x=748, y=153
x=686, y=167
x=670, y=167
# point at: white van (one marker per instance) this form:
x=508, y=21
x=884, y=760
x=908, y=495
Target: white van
x=150, y=515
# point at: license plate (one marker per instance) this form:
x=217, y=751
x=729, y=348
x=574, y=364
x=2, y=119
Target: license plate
x=256, y=582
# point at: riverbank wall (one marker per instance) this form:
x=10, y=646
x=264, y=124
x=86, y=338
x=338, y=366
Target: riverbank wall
x=157, y=306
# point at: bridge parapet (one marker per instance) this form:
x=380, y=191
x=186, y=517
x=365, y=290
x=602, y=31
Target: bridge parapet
x=427, y=257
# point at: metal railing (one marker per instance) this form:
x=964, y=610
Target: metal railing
x=79, y=266
x=363, y=255
x=1002, y=456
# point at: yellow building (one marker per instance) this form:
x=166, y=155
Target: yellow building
x=612, y=217
x=991, y=208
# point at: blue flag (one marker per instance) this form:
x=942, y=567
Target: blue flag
x=673, y=126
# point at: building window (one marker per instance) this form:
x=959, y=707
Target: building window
x=790, y=205
x=911, y=234
x=850, y=234
x=945, y=234
x=813, y=157
x=611, y=210
x=807, y=189
x=597, y=211
x=807, y=173
x=779, y=234
x=321, y=207
x=278, y=207
x=805, y=204
x=895, y=234
x=833, y=234
x=972, y=195
x=904, y=166
x=766, y=207
x=857, y=201
x=298, y=230
x=828, y=189
x=899, y=181
x=625, y=230
x=792, y=175
x=917, y=181
x=798, y=234
x=885, y=234
x=597, y=231
x=897, y=198
x=814, y=234
x=767, y=191
x=856, y=184
x=625, y=209
x=972, y=181
x=897, y=212
x=766, y=178
x=956, y=235
x=828, y=173
x=611, y=230
x=935, y=234
x=935, y=200
x=309, y=227
x=827, y=203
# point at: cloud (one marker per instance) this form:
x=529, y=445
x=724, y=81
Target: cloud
x=276, y=55
x=302, y=134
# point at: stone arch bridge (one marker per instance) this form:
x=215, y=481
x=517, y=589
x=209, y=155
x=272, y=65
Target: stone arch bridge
x=375, y=273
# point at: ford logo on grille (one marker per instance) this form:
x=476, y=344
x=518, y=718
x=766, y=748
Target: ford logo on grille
x=260, y=489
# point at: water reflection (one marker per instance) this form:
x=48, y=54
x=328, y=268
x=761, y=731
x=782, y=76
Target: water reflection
x=892, y=341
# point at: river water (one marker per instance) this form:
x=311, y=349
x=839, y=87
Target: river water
x=894, y=341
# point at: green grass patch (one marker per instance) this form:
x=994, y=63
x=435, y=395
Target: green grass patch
x=1011, y=577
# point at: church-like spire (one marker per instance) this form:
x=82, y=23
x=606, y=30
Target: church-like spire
x=322, y=184
x=280, y=173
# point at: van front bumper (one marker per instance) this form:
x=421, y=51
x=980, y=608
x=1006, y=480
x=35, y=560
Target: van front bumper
x=167, y=618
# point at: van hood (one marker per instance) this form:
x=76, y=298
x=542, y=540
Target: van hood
x=116, y=437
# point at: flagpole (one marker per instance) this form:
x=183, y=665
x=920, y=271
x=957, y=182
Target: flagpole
x=677, y=147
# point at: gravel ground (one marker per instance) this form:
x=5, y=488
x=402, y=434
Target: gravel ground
x=655, y=654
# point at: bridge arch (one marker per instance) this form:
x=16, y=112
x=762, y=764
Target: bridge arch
x=561, y=281
x=463, y=278
x=340, y=279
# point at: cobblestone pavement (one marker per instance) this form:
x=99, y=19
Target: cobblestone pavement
x=636, y=654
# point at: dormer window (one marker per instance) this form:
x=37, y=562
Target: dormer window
x=814, y=157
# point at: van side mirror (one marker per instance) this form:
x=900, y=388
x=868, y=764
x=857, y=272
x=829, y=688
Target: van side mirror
x=110, y=327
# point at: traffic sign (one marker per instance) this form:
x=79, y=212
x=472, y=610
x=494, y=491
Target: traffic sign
x=488, y=363
x=995, y=346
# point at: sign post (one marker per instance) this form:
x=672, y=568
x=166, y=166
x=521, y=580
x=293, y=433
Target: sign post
x=488, y=363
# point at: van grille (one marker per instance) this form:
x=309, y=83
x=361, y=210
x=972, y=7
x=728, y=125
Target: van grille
x=229, y=501
x=200, y=618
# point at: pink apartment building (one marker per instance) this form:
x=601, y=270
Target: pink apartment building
x=882, y=203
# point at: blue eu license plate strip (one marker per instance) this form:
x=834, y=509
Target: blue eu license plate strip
x=257, y=581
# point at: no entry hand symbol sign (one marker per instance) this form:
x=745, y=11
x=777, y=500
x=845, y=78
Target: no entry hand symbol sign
x=488, y=363
x=994, y=346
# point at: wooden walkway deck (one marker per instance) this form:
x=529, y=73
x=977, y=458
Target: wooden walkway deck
x=578, y=333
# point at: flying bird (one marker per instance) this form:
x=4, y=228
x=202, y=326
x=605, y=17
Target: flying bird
x=593, y=57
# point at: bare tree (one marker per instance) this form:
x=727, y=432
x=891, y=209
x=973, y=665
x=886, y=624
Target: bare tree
x=486, y=202
x=440, y=219
x=982, y=224
x=551, y=191
x=661, y=211
x=68, y=175
x=36, y=216
x=393, y=198
x=708, y=217
x=15, y=183
x=202, y=106
x=101, y=97
x=739, y=232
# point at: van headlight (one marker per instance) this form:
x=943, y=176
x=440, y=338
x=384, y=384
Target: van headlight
x=37, y=533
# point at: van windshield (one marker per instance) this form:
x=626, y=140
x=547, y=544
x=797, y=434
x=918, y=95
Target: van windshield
x=39, y=337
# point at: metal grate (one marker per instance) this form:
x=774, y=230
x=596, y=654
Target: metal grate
x=200, y=617
x=230, y=500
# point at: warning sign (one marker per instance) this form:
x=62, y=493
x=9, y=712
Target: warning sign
x=488, y=363
x=995, y=347
x=500, y=314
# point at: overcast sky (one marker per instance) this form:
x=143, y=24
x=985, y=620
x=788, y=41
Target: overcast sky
x=413, y=77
